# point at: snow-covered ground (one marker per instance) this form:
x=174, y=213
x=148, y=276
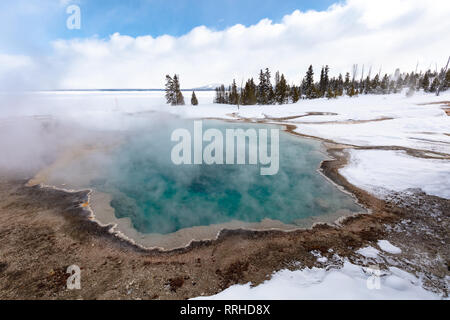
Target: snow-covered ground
x=344, y=281
x=350, y=282
x=379, y=171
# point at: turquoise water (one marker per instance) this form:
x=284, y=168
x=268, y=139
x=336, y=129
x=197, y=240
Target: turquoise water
x=163, y=198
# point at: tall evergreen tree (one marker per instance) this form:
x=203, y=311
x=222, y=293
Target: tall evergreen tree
x=234, y=95
x=340, y=86
x=367, y=86
x=347, y=82
x=294, y=94
x=179, y=100
x=385, y=84
x=425, y=84
x=269, y=87
x=376, y=84
x=170, y=91
x=446, y=84
x=434, y=85
x=281, y=90
x=351, y=91
x=265, y=89
x=194, y=100
x=324, y=81
x=249, y=93
x=217, y=98
x=309, y=83
x=262, y=92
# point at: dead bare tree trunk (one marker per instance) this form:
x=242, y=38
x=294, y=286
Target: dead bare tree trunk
x=362, y=73
x=355, y=71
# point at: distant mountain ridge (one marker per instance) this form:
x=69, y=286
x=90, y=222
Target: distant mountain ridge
x=208, y=87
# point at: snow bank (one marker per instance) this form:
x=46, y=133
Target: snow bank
x=386, y=246
x=368, y=252
x=351, y=282
x=378, y=171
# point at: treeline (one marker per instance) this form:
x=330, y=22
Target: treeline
x=280, y=92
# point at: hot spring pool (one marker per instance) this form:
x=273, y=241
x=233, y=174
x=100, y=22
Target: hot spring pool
x=162, y=198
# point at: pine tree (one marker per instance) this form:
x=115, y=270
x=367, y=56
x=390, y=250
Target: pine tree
x=265, y=89
x=262, y=94
x=376, y=84
x=340, y=86
x=309, y=83
x=217, y=98
x=179, y=99
x=234, y=95
x=269, y=87
x=324, y=81
x=434, y=85
x=347, y=82
x=351, y=91
x=252, y=94
x=330, y=94
x=194, y=100
x=425, y=83
x=367, y=86
x=321, y=92
x=170, y=92
x=220, y=95
x=362, y=86
x=245, y=94
x=281, y=90
x=249, y=93
x=446, y=81
x=385, y=84
x=223, y=94
x=294, y=94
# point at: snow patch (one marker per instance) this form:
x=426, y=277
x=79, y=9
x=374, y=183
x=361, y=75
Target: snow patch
x=368, y=252
x=348, y=283
x=388, y=247
x=379, y=170
x=322, y=259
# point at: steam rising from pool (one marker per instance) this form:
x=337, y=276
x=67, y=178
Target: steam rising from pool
x=160, y=197
x=123, y=147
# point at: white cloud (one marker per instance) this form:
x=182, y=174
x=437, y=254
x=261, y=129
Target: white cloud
x=387, y=33
x=8, y=61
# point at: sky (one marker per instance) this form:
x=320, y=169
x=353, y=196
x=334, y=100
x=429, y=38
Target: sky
x=134, y=43
x=46, y=19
